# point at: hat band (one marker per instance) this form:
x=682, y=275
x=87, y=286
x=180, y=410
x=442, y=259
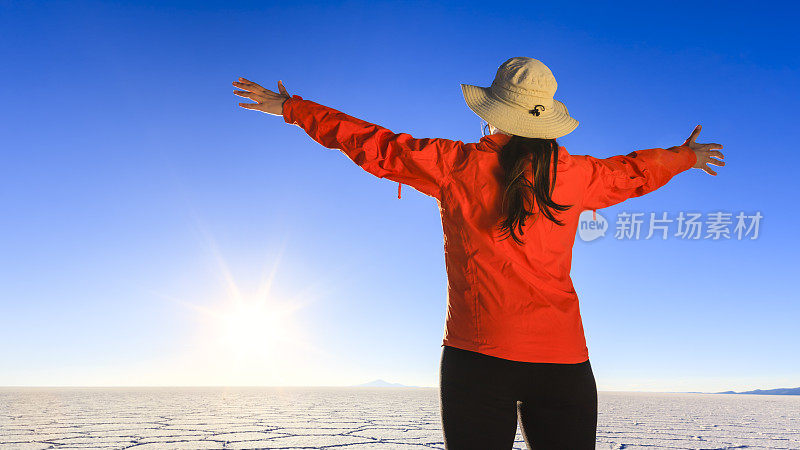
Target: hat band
x=521, y=101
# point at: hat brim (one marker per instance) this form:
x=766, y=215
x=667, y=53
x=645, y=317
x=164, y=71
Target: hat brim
x=549, y=125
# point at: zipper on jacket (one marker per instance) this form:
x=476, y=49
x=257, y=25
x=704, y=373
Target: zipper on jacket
x=398, y=189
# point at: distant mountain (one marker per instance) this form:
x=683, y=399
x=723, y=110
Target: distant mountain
x=381, y=383
x=780, y=391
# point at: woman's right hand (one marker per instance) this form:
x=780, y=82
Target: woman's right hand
x=704, y=152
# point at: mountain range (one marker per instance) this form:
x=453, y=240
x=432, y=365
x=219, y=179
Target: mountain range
x=779, y=391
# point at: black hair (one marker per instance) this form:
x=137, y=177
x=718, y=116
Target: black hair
x=519, y=191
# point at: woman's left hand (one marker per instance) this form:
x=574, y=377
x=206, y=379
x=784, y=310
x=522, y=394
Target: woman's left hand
x=267, y=101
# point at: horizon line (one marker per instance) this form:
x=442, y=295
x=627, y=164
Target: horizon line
x=304, y=386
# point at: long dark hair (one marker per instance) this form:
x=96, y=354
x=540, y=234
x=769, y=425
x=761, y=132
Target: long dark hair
x=519, y=190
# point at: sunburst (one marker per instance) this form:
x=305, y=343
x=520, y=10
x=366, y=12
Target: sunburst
x=255, y=328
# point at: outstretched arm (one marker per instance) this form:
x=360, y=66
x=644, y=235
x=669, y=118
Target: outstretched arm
x=615, y=179
x=425, y=164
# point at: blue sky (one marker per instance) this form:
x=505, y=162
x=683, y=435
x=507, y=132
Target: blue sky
x=139, y=201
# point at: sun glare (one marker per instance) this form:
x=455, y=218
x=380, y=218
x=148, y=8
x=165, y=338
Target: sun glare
x=245, y=334
x=255, y=328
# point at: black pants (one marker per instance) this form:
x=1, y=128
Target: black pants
x=482, y=396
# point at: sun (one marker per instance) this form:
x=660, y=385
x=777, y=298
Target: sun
x=243, y=330
x=255, y=329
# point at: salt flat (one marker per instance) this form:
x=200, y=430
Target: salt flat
x=360, y=419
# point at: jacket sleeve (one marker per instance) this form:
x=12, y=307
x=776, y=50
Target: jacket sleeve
x=424, y=164
x=618, y=178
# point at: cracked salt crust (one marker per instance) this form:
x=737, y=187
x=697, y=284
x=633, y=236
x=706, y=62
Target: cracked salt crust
x=360, y=419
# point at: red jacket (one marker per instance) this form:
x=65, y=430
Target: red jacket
x=506, y=300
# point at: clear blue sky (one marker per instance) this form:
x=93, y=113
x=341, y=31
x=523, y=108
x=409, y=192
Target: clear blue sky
x=137, y=198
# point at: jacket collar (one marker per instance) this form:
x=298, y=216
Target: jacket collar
x=495, y=141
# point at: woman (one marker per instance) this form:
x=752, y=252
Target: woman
x=514, y=346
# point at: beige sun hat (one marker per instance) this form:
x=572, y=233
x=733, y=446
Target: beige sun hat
x=520, y=101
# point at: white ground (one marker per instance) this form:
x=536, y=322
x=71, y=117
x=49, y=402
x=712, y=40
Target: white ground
x=360, y=418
